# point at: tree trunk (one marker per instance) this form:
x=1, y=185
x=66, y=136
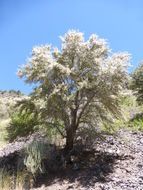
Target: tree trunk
x=71, y=131
x=69, y=140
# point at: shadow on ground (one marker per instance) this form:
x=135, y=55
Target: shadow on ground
x=92, y=167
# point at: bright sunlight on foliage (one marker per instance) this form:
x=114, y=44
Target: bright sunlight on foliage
x=79, y=84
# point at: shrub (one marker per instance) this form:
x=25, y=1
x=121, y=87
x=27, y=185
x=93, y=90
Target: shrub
x=35, y=153
x=136, y=83
x=22, y=124
x=136, y=122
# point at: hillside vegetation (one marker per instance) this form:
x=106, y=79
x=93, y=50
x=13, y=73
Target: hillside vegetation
x=84, y=117
x=8, y=99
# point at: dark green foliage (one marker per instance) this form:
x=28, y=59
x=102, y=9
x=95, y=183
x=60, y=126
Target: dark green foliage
x=14, y=92
x=22, y=124
x=137, y=83
x=17, y=92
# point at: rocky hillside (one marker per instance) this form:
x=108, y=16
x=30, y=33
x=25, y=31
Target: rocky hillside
x=113, y=164
x=7, y=102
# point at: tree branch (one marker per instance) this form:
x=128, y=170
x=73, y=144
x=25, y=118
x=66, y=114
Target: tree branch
x=59, y=130
x=83, y=109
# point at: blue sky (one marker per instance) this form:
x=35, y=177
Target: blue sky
x=26, y=23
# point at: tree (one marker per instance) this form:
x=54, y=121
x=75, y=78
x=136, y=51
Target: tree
x=136, y=83
x=76, y=86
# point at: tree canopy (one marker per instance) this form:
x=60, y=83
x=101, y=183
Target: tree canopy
x=78, y=85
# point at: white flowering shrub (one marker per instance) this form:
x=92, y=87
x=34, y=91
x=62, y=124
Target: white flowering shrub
x=79, y=84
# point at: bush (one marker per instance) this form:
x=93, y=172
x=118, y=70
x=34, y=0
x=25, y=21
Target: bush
x=136, y=84
x=136, y=122
x=22, y=124
x=35, y=154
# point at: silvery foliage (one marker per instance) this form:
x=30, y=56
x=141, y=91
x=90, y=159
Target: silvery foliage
x=80, y=83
